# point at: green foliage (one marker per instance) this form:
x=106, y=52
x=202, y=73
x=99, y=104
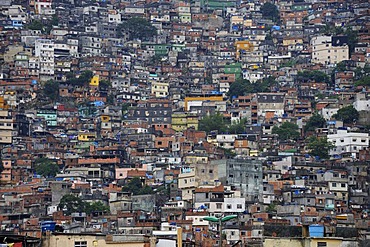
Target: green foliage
x=237, y=127
x=341, y=67
x=213, y=122
x=51, y=89
x=53, y=22
x=315, y=75
x=271, y=208
x=36, y=25
x=137, y=28
x=243, y=87
x=270, y=11
x=71, y=204
x=286, y=131
x=319, y=147
x=83, y=79
x=104, y=85
x=289, y=63
x=96, y=207
x=216, y=122
x=110, y=99
x=365, y=81
x=46, y=167
x=229, y=153
x=135, y=186
x=347, y=114
x=315, y=121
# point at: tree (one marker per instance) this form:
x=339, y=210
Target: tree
x=243, y=87
x=96, y=207
x=135, y=186
x=104, y=85
x=137, y=28
x=270, y=11
x=36, y=25
x=71, y=204
x=46, y=167
x=319, y=147
x=286, y=131
x=53, y=22
x=365, y=81
x=213, y=122
x=314, y=122
x=315, y=76
x=51, y=89
x=271, y=208
x=347, y=114
x=83, y=79
x=237, y=127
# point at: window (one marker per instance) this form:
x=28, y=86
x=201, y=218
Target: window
x=239, y=206
x=218, y=205
x=80, y=243
x=321, y=244
x=228, y=206
x=343, y=185
x=334, y=184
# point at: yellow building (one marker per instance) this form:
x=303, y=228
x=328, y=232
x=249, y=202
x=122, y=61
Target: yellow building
x=184, y=120
x=87, y=137
x=97, y=240
x=105, y=118
x=308, y=242
x=94, y=81
x=160, y=89
x=242, y=45
x=198, y=101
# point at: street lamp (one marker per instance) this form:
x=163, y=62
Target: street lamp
x=219, y=221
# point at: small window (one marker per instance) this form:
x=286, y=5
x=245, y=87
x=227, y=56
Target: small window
x=80, y=243
x=321, y=244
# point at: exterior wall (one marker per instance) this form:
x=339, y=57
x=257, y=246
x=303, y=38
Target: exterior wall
x=328, y=113
x=186, y=183
x=6, y=127
x=91, y=240
x=160, y=89
x=234, y=205
x=323, y=52
x=349, y=142
x=282, y=242
x=246, y=175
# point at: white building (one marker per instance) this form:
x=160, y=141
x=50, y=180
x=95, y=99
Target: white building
x=348, y=142
x=44, y=51
x=44, y=7
x=362, y=102
x=329, y=49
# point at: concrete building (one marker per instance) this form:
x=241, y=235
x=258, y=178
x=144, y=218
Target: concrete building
x=246, y=175
x=348, y=142
x=90, y=240
x=329, y=49
x=44, y=51
x=6, y=127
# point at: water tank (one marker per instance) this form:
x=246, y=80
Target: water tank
x=48, y=226
x=316, y=231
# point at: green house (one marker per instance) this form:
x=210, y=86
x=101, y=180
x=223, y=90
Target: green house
x=50, y=116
